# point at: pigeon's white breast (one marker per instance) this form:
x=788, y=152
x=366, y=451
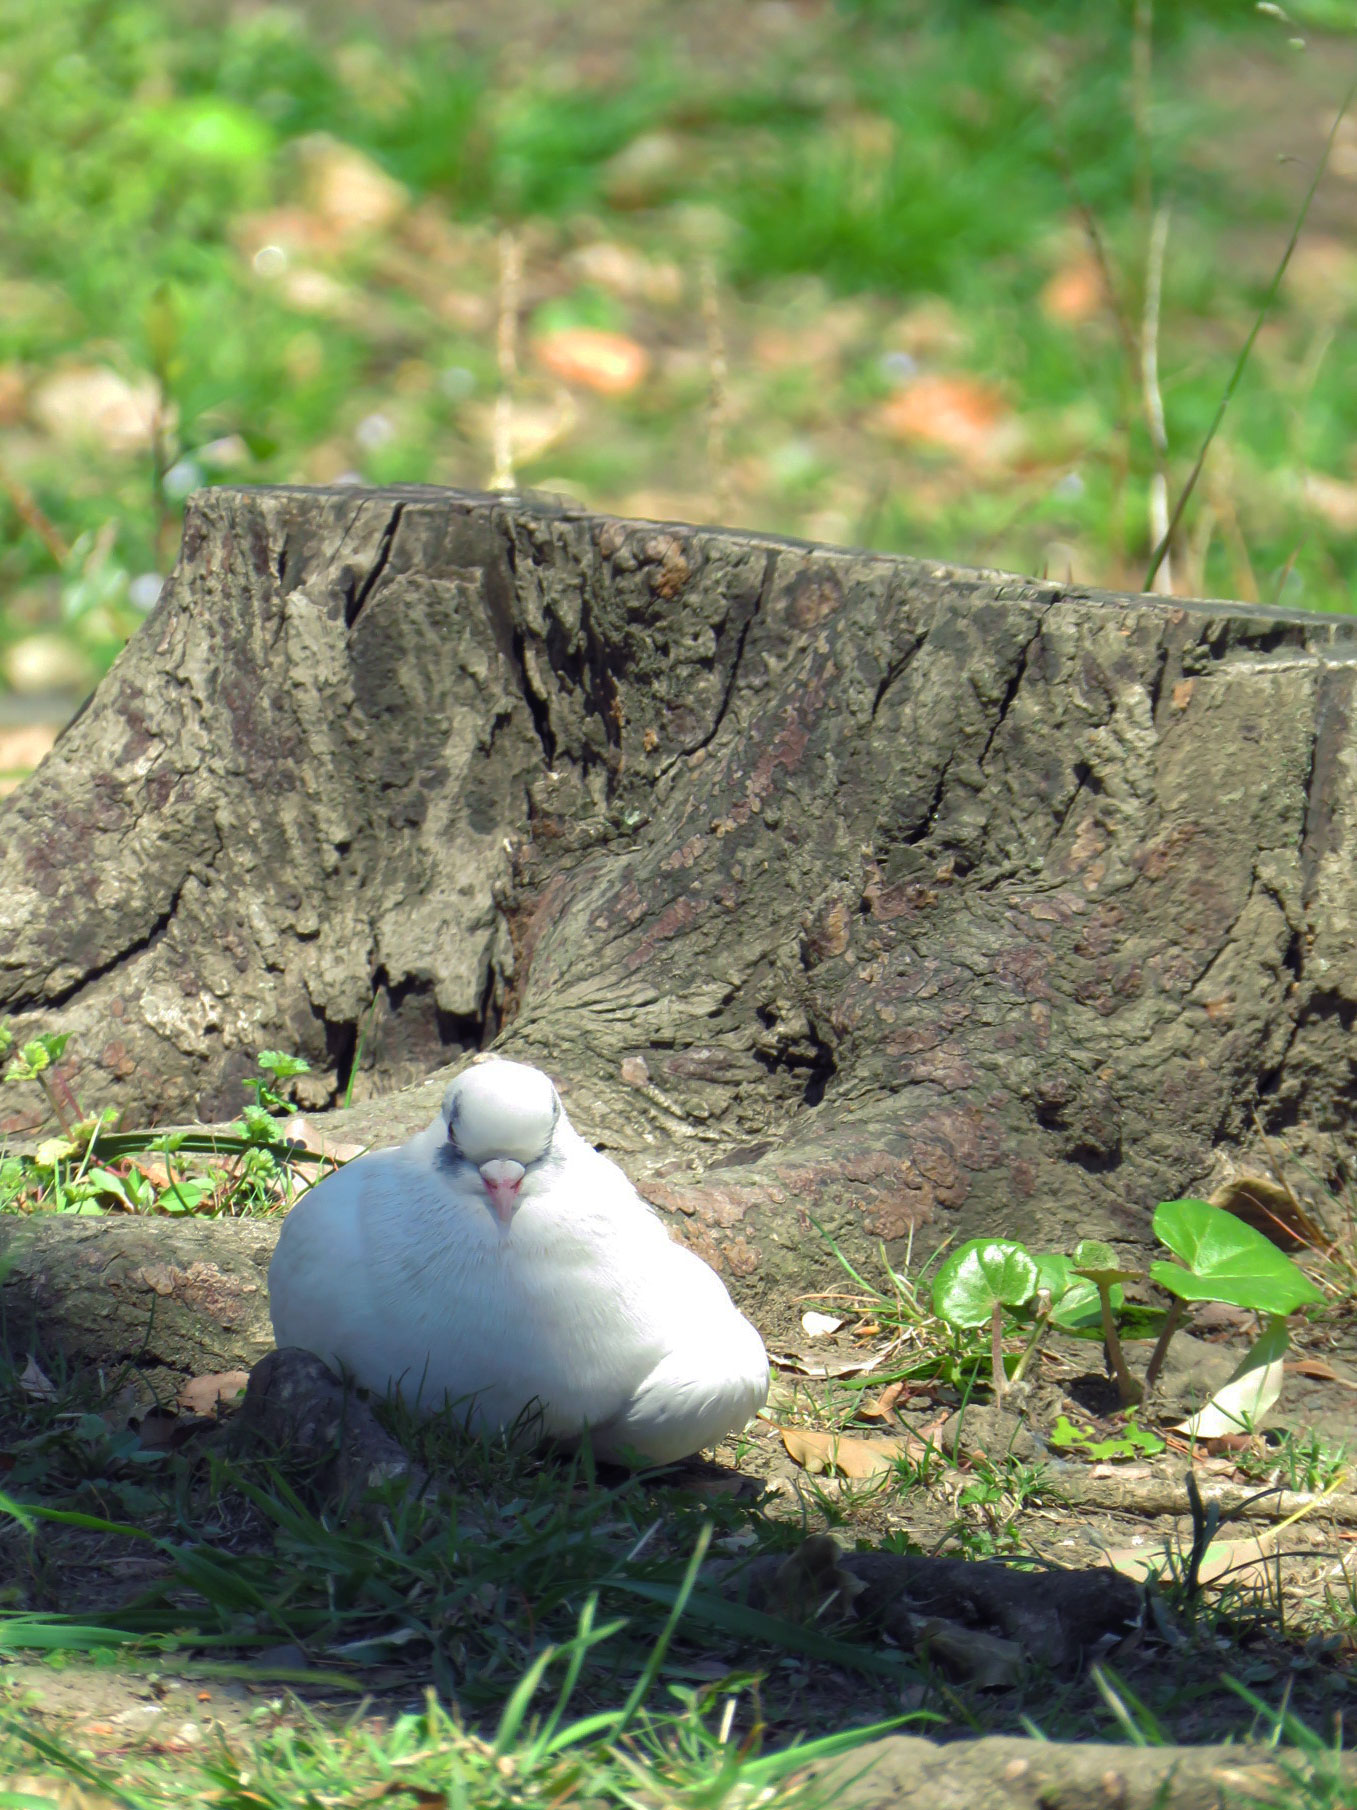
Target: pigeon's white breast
x=568, y=1307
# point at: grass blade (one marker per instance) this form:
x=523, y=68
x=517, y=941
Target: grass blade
x=1236, y=376
x=768, y=1630
x=651, y=1669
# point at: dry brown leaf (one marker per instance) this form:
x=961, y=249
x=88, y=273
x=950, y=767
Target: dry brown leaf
x=300, y=1130
x=957, y=414
x=1270, y=1208
x=609, y=363
x=210, y=1394
x=36, y=1383
x=349, y=192
x=1324, y=1373
x=822, y=1368
x=1242, y=1561
x=859, y=1459
x=1076, y=293
x=883, y=1408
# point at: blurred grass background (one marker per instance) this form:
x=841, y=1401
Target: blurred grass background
x=835, y=268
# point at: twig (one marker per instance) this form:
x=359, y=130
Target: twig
x=26, y=508
x=1097, y=245
x=1246, y=350
x=718, y=395
x=510, y=283
x=1142, y=63
x=1154, y=402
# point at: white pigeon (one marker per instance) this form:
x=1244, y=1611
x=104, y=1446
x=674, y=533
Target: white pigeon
x=498, y=1262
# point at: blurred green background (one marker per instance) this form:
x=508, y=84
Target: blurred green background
x=836, y=268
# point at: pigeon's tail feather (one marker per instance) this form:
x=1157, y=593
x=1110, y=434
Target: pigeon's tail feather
x=692, y=1398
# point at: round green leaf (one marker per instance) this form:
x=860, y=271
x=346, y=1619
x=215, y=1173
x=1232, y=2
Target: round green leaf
x=1226, y=1261
x=982, y=1273
x=1074, y=1299
x=1099, y=1262
x=1080, y=1305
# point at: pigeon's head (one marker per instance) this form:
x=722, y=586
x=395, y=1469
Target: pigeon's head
x=501, y=1117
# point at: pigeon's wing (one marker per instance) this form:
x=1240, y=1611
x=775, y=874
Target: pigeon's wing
x=712, y=1378
x=364, y=1272
x=697, y=1394
x=316, y=1297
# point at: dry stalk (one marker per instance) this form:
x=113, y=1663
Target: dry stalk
x=718, y=394
x=1154, y=402
x=510, y=287
x=26, y=508
x=1142, y=70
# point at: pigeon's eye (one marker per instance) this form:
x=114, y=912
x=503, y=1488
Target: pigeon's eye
x=452, y=1139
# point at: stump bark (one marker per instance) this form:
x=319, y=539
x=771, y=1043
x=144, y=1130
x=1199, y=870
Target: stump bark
x=831, y=887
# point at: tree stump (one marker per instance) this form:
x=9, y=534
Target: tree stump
x=832, y=887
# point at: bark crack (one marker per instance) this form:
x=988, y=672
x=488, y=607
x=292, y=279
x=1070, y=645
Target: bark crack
x=51, y=1002
x=895, y=670
x=353, y=607
x=769, y=564
x=1011, y=689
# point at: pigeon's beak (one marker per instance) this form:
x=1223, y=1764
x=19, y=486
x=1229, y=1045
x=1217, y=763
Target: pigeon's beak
x=502, y=1180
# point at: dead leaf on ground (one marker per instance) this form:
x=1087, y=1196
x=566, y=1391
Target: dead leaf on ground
x=300, y=1130
x=1322, y=1372
x=611, y=364
x=821, y=1369
x=1076, y=293
x=36, y=1383
x=860, y=1459
x=207, y=1395
x=956, y=414
x=819, y=1326
x=1266, y=1205
x=885, y=1404
x=1246, y=1562
x=347, y=189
